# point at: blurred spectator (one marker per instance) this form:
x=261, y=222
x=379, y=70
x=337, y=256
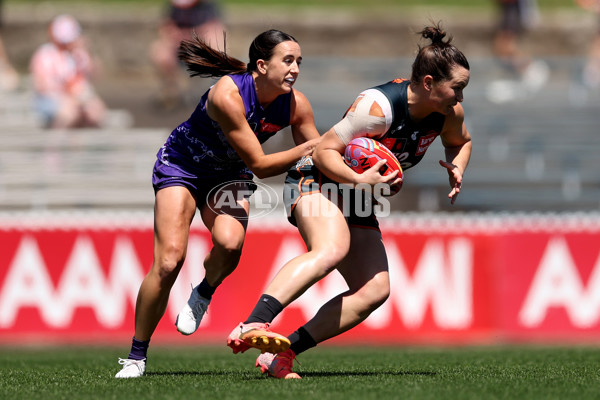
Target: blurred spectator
x=591, y=70
x=61, y=70
x=182, y=18
x=9, y=78
x=516, y=17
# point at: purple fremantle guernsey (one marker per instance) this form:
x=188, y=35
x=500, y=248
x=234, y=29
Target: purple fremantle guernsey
x=199, y=145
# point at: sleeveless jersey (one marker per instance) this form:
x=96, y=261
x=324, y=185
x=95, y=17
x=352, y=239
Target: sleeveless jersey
x=199, y=145
x=407, y=139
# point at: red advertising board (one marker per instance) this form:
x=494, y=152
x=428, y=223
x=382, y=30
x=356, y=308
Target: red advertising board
x=455, y=279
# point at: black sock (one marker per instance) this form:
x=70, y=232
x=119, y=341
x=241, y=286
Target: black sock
x=205, y=290
x=301, y=341
x=139, y=349
x=267, y=308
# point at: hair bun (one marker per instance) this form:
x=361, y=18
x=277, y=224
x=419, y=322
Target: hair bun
x=435, y=34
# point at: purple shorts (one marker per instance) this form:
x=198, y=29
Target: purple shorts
x=164, y=176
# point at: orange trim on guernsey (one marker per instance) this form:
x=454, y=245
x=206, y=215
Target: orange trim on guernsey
x=301, y=182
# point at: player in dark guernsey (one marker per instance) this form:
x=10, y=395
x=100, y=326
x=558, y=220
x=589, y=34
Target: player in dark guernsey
x=405, y=115
x=219, y=147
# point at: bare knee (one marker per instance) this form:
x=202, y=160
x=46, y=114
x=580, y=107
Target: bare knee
x=229, y=245
x=168, y=262
x=328, y=258
x=375, y=293
x=223, y=258
x=382, y=293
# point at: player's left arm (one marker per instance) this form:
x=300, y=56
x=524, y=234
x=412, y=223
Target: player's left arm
x=302, y=120
x=457, y=146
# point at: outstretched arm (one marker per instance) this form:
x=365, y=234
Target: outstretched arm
x=457, y=143
x=226, y=107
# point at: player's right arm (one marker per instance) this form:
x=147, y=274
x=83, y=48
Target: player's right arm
x=225, y=106
x=363, y=119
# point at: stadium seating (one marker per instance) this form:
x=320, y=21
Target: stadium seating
x=533, y=154
x=73, y=169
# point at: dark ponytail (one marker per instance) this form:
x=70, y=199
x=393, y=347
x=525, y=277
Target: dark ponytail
x=205, y=61
x=437, y=58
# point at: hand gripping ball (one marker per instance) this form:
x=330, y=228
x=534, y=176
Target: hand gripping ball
x=363, y=153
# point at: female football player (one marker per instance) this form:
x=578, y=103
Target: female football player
x=220, y=143
x=405, y=115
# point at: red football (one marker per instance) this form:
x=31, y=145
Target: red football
x=362, y=153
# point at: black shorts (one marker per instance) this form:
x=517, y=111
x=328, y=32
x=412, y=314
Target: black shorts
x=304, y=179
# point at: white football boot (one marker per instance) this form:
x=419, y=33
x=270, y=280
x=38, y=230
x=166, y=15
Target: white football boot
x=131, y=368
x=189, y=318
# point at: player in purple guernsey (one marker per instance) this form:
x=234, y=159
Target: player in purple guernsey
x=219, y=147
x=199, y=143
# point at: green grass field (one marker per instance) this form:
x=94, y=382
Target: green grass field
x=328, y=373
